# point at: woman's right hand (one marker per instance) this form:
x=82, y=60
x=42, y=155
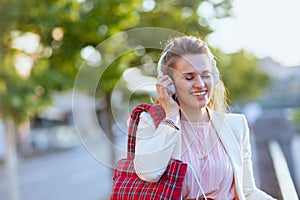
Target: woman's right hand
x=165, y=100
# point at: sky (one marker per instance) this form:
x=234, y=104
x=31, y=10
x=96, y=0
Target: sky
x=267, y=28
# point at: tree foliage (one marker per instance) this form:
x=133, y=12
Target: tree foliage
x=241, y=75
x=63, y=28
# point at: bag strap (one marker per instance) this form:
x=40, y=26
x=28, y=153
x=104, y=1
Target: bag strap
x=156, y=112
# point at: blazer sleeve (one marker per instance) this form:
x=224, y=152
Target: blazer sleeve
x=250, y=190
x=154, y=148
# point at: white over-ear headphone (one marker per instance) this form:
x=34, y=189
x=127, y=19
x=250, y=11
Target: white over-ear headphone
x=215, y=70
x=171, y=88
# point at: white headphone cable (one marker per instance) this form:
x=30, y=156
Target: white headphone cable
x=197, y=180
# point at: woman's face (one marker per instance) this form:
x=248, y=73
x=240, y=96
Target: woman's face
x=193, y=80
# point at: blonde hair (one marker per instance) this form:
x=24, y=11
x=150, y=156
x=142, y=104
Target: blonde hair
x=184, y=45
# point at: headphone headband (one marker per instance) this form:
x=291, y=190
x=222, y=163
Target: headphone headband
x=159, y=71
x=215, y=70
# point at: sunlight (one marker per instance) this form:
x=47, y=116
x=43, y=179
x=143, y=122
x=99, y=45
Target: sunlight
x=264, y=27
x=91, y=55
x=23, y=65
x=27, y=42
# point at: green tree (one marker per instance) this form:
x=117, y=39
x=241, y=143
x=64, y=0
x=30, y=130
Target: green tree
x=189, y=17
x=241, y=75
x=61, y=29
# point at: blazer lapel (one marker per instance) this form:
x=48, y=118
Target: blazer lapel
x=231, y=146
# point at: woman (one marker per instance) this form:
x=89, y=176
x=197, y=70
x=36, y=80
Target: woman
x=197, y=129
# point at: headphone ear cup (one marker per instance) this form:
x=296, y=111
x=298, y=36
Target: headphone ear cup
x=171, y=89
x=215, y=72
x=159, y=64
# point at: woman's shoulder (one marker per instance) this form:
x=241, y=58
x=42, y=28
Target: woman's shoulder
x=145, y=120
x=237, y=123
x=235, y=116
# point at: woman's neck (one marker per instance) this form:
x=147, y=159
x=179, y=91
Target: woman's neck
x=200, y=115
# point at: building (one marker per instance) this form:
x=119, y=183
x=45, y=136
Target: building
x=284, y=90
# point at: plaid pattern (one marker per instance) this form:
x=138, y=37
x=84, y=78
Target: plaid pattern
x=127, y=185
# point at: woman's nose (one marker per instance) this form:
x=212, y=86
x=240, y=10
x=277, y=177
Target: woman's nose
x=199, y=81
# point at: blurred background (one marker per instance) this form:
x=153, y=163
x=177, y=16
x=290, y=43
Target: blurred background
x=52, y=51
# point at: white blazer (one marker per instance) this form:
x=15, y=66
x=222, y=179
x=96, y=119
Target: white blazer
x=155, y=147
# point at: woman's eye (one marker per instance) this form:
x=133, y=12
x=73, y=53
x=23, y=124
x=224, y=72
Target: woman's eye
x=205, y=76
x=189, y=78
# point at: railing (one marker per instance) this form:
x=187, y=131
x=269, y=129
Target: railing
x=287, y=187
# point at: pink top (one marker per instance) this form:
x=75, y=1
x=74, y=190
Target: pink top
x=208, y=159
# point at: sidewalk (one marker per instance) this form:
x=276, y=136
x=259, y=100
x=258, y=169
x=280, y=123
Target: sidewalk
x=69, y=174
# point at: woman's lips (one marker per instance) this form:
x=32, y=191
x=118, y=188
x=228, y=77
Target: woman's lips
x=200, y=94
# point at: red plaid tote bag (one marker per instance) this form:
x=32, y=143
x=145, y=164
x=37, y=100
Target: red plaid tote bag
x=127, y=185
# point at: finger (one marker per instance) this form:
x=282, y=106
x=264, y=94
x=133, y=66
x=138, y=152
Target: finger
x=165, y=82
x=163, y=86
x=161, y=90
x=163, y=78
x=169, y=82
x=162, y=93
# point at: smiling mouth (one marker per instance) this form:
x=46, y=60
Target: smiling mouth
x=201, y=93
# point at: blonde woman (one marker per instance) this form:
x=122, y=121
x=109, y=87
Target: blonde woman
x=197, y=129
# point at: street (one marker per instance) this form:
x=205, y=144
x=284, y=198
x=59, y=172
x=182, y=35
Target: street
x=62, y=175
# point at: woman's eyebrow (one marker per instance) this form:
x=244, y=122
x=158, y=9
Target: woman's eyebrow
x=206, y=71
x=196, y=72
